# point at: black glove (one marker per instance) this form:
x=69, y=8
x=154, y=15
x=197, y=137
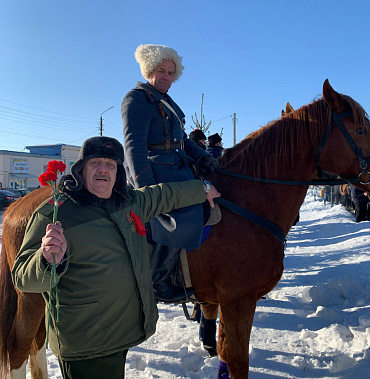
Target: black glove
x=210, y=163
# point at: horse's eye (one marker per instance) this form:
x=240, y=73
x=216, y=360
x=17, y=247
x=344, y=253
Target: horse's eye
x=362, y=131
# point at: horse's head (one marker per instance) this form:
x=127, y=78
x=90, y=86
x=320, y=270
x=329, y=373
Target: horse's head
x=348, y=135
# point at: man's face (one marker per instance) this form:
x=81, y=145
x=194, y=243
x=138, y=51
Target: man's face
x=202, y=141
x=99, y=176
x=163, y=76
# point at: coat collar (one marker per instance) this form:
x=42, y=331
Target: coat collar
x=152, y=93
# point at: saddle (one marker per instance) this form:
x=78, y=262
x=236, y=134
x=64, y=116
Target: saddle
x=213, y=219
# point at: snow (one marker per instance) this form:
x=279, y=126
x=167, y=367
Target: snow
x=314, y=324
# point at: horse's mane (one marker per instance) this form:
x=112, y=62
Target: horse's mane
x=231, y=153
x=271, y=145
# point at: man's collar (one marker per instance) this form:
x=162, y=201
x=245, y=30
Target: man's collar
x=153, y=94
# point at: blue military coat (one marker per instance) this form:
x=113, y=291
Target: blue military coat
x=216, y=151
x=147, y=164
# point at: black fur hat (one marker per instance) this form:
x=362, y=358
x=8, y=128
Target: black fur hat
x=197, y=134
x=213, y=139
x=99, y=147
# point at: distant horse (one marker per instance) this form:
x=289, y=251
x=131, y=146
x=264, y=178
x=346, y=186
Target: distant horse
x=240, y=261
x=22, y=326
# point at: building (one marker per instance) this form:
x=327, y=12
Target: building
x=22, y=170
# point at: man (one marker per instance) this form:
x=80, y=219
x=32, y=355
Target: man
x=360, y=202
x=215, y=145
x=157, y=150
x=104, y=283
x=199, y=138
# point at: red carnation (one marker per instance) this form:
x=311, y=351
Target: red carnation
x=47, y=178
x=56, y=166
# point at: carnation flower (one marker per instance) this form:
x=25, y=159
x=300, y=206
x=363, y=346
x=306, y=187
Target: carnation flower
x=49, y=178
x=56, y=166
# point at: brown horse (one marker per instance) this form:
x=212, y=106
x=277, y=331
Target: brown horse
x=240, y=261
x=22, y=327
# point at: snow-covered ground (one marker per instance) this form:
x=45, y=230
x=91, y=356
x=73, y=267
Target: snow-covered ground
x=314, y=324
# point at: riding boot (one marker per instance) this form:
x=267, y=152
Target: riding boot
x=201, y=327
x=209, y=336
x=163, y=262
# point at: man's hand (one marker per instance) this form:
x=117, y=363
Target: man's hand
x=213, y=193
x=54, y=242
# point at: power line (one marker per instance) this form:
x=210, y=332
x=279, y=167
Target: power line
x=43, y=110
x=222, y=118
x=18, y=113
x=38, y=123
x=82, y=138
x=14, y=118
x=113, y=133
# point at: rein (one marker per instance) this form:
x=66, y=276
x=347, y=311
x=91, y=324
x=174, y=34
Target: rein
x=254, y=217
x=330, y=182
x=268, y=225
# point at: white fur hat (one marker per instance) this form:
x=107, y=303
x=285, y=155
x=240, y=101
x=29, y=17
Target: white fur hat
x=150, y=56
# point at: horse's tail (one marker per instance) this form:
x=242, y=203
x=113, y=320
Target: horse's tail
x=8, y=309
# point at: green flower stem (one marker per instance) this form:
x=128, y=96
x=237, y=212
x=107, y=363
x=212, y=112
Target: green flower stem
x=49, y=314
x=53, y=277
x=56, y=205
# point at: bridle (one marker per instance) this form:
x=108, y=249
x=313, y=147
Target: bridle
x=336, y=120
x=271, y=227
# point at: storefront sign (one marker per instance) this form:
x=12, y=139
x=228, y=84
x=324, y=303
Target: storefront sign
x=20, y=166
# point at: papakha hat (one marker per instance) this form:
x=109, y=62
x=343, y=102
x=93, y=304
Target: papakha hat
x=213, y=139
x=100, y=147
x=197, y=134
x=150, y=56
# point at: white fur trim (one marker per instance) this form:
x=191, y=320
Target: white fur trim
x=150, y=56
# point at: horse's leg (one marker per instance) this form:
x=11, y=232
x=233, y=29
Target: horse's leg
x=19, y=373
x=26, y=324
x=38, y=363
x=210, y=311
x=236, y=319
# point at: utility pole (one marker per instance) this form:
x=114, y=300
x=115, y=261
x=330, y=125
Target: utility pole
x=101, y=120
x=234, y=124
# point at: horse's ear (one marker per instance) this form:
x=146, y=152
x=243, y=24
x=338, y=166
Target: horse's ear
x=332, y=97
x=289, y=108
x=282, y=113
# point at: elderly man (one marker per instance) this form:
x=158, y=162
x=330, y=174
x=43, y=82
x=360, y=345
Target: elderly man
x=199, y=138
x=157, y=150
x=104, y=283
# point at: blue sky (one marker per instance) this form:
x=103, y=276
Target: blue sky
x=65, y=62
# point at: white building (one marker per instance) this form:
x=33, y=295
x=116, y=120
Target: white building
x=22, y=170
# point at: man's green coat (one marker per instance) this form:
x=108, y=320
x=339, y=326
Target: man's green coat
x=105, y=288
